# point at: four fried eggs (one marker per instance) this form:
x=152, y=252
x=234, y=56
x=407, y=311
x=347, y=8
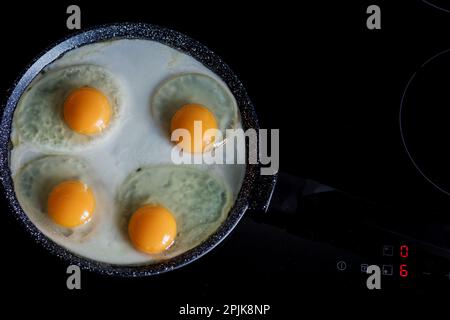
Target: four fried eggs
x=118, y=159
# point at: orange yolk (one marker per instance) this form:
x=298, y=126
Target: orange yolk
x=71, y=203
x=152, y=229
x=185, y=118
x=87, y=111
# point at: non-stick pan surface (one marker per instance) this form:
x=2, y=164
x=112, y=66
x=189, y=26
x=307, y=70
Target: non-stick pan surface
x=249, y=196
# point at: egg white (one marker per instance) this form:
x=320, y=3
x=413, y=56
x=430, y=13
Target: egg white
x=188, y=88
x=137, y=140
x=38, y=119
x=37, y=178
x=197, y=198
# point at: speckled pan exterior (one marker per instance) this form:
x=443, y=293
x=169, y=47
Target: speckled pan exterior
x=254, y=190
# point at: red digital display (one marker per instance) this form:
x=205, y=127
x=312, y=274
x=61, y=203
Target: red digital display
x=404, y=251
x=403, y=270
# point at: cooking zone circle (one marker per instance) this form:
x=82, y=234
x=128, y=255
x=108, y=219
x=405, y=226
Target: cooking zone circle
x=424, y=120
x=439, y=4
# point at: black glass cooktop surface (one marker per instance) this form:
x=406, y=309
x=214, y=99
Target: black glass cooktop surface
x=362, y=111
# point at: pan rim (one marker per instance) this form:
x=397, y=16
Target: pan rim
x=115, y=31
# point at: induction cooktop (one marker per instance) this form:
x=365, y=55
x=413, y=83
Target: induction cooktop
x=362, y=110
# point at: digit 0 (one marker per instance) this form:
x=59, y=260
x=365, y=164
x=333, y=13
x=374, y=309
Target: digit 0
x=404, y=251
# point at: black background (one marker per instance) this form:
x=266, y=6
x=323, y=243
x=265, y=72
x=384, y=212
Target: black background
x=314, y=71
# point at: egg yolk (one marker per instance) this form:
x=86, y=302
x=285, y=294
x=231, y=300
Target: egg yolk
x=71, y=203
x=87, y=111
x=185, y=118
x=152, y=229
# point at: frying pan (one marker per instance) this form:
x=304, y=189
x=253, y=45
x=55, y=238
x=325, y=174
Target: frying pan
x=256, y=190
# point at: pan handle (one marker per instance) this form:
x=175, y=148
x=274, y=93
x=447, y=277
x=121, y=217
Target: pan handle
x=305, y=206
x=290, y=191
x=320, y=213
x=283, y=192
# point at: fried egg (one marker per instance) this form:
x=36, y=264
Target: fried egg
x=196, y=199
x=62, y=197
x=68, y=108
x=185, y=98
x=132, y=139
